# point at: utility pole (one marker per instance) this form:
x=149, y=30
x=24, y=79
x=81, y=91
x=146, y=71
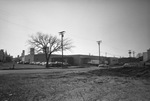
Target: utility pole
x=129, y=53
x=62, y=35
x=133, y=54
x=106, y=54
x=99, y=49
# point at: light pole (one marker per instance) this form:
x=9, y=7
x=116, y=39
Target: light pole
x=130, y=53
x=133, y=54
x=62, y=35
x=99, y=49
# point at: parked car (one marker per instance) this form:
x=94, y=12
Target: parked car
x=26, y=62
x=51, y=64
x=126, y=65
x=43, y=63
x=37, y=63
x=57, y=64
x=102, y=65
x=20, y=62
x=32, y=63
x=130, y=65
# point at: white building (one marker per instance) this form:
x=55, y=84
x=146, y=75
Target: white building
x=145, y=56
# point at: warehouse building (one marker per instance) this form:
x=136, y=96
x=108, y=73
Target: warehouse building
x=146, y=55
x=70, y=59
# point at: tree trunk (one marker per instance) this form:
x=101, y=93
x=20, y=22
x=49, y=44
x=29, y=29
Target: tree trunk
x=47, y=63
x=47, y=60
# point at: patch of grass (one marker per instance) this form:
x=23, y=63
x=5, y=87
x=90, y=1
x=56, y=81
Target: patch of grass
x=8, y=66
x=62, y=86
x=5, y=65
x=137, y=72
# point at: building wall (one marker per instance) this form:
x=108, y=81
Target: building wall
x=83, y=59
x=31, y=51
x=139, y=55
x=29, y=58
x=86, y=59
x=148, y=52
x=113, y=61
x=39, y=58
x=23, y=56
x=128, y=60
x=1, y=55
x=145, y=56
x=76, y=59
x=66, y=59
x=71, y=59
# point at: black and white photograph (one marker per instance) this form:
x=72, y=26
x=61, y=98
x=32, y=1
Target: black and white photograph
x=74, y=50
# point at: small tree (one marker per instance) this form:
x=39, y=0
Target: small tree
x=48, y=44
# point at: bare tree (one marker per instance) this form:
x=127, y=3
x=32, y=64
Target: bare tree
x=48, y=44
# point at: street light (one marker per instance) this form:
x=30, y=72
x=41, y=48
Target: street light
x=62, y=35
x=99, y=49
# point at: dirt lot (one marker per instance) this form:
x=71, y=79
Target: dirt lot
x=117, y=84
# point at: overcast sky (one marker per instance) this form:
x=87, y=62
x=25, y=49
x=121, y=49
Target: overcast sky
x=122, y=25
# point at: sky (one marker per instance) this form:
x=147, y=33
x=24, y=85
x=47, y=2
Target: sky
x=122, y=25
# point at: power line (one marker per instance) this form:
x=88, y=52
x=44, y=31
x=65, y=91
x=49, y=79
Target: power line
x=82, y=38
x=34, y=30
x=5, y=13
x=16, y=24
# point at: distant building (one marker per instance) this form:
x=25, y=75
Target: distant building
x=148, y=52
x=146, y=55
x=23, y=56
x=2, y=55
x=139, y=55
x=129, y=60
x=71, y=59
x=113, y=60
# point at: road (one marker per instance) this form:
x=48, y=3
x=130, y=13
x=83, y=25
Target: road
x=44, y=70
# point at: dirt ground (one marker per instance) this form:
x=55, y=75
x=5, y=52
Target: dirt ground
x=118, y=84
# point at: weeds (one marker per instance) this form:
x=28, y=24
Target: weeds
x=99, y=85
